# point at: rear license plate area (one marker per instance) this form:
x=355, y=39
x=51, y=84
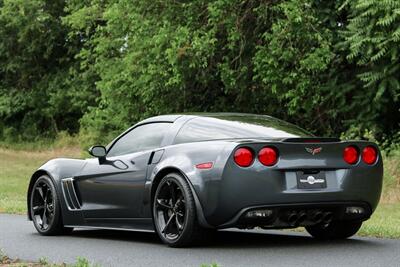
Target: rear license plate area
x=311, y=179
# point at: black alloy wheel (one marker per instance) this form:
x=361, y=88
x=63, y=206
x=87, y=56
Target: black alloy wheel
x=45, y=208
x=174, y=211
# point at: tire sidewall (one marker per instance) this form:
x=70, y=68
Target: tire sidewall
x=57, y=210
x=190, y=213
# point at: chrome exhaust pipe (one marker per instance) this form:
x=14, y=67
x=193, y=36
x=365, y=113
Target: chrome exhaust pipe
x=301, y=218
x=328, y=216
x=317, y=217
x=291, y=218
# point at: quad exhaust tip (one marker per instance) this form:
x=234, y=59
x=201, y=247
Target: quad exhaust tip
x=328, y=216
x=302, y=217
x=296, y=218
x=317, y=217
x=292, y=218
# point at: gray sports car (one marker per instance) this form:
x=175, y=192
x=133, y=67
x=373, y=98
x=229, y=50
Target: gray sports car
x=185, y=175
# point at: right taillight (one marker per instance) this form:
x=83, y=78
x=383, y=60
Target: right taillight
x=243, y=157
x=268, y=156
x=351, y=155
x=369, y=155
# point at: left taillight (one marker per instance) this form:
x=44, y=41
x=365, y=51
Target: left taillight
x=369, y=155
x=243, y=157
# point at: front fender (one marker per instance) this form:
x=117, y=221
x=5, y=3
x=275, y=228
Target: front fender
x=56, y=169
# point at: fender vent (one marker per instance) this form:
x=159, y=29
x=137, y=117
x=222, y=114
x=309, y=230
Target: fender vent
x=70, y=196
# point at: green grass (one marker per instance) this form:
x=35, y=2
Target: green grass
x=42, y=262
x=16, y=168
x=17, y=165
x=385, y=222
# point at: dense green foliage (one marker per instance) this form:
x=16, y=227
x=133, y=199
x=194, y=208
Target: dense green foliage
x=97, y=66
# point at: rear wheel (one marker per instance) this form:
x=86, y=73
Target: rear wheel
x=174, y=212
x=334, y=230
x=45, y=208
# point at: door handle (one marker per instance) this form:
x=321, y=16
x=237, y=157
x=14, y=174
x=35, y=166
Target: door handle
x=132, y=161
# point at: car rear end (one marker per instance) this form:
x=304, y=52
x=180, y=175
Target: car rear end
x=297, y=182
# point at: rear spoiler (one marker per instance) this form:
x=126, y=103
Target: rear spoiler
x=311, y=140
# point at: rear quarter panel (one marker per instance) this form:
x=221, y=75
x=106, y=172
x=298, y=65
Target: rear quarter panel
x=184, y=158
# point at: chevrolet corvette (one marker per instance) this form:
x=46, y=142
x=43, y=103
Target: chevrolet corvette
x=185, y=175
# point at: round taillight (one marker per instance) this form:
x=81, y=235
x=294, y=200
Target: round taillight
x=268, y=156
x=243, y=157
x=350, y=155
x=369, y=155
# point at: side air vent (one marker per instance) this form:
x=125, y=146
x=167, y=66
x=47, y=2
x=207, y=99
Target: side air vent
x=70, y=195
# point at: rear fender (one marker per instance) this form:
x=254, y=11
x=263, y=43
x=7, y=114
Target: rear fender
x=183, y=159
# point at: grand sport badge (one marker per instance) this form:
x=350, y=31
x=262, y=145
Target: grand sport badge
x=311, y=180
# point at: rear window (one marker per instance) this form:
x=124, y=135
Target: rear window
x=231, y=127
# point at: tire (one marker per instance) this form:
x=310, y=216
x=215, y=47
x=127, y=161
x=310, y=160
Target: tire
x=334, y=230
x=183, y=229
x=45, y=208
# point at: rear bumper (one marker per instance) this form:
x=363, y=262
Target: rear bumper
x=299, y=214
x=223, y=200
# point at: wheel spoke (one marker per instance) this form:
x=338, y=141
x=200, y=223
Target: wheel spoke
x=37, y=208
x=163, y=205
x=178, y=224
x=46, y=195
x=44, y=219
x=168, y=223
x=40, y=190
x=178, y=202
x=172, y=192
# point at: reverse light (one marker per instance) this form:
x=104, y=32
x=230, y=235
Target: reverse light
x=243, y=157
x=369, y=155
x=351, y=155
x=253, y=214
x=204, y=166
x=268, y=156
x=354, y=210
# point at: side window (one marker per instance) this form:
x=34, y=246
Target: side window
x=143, y=137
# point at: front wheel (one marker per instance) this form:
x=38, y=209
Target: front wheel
x=174, y=212
x=334, y=230
x=45, y=208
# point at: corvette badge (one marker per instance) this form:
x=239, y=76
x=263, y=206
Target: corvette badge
x=313, y=151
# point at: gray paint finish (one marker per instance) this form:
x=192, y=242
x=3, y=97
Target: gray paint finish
x=117, y=193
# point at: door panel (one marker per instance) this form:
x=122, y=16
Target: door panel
x=115, y=188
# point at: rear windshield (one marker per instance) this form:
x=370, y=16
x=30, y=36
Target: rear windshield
x=231, y=127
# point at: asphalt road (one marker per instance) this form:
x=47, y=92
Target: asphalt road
x=19, y=239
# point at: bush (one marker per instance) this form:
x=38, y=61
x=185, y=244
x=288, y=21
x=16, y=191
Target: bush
x=96, y=67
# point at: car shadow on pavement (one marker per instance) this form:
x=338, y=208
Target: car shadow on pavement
x=228, y=239
x=273, y=239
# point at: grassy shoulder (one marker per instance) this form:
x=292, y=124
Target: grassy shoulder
x=384, y=222
x=42, y=262
x=16, y=168
x=17, y=165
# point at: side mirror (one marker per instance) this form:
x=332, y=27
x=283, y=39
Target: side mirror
x=98, y=151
